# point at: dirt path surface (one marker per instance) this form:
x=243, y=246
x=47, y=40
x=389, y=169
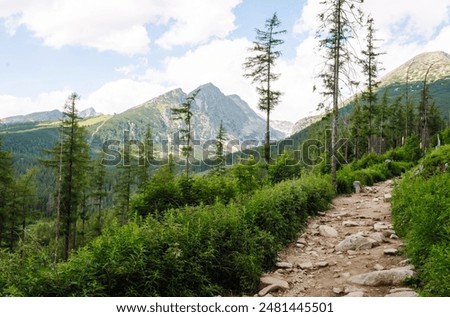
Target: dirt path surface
x=350, y=250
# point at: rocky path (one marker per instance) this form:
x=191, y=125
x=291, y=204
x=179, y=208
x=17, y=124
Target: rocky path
x=350, y=250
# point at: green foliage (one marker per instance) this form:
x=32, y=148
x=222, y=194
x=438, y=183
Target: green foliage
x=410, y=152
x=184, y=113
x=434, y=163
x=370, y=169
x=193, y=251
x=283, y=169
x=446, y=136
x=282, y=209
x=421, y=213
x=260, y=68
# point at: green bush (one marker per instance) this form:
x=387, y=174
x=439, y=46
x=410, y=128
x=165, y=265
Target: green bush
x=373, y=172
x=421, y=214
x=410, y=152
x=192, y=251
x=435, y=162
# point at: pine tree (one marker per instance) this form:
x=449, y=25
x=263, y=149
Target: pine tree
x=98, y=191
x=220, y=155
x=260, y=67
x=70, y=159
x=24, y=202
x=147, y=158
x=184, y=113
x=126, y=179
x=424, y=130
x=338, y=25
x=6, y=182
x=370, y=66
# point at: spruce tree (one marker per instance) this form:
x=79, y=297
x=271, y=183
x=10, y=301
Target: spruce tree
x=339, y=20
x=370, y=67
x=220, y=155
x=185, y=114
x=260, y=68
x=6, y=182
x=70, y=159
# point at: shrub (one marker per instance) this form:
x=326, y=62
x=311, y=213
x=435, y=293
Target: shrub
x=435, y=162
x=421, y=214
x=192, y=251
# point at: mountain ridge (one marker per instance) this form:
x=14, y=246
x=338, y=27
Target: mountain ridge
x=412, y=71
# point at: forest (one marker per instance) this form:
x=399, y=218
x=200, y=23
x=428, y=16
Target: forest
x=73, y=225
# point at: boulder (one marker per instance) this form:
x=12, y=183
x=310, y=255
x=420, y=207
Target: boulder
x=385, y=277
x=356, y=242
x=327, y=231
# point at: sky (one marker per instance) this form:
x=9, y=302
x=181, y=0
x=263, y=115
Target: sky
x=117, y=54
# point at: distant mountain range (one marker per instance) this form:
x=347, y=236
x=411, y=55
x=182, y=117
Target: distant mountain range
x=27, y=135
x=408, y=77
x=47, y=116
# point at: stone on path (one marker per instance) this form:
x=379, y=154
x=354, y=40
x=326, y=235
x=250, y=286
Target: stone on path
x=337, y=290
x=356, y=242
x=390, y=251
x=306, y=265
x=357, y=185
x=355, y=294
x=380, y=226
x=350, y=223
x=378, y=236
x=410, y=293
x=284, y=265
x=270, y=288
x=387, y=198
x=322, y=264
x=272, y=284
x=378, y=267
x=388, y=232
x=327, y=231
x=385, y=277
x=400, y=289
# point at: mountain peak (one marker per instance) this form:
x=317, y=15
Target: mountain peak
x=89, y=113
x=415, y=69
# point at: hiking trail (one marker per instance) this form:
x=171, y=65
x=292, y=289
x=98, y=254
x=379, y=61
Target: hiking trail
x=349, y=250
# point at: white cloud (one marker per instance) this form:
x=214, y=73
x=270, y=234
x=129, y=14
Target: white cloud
x=406, y=27
x=219, y=62
x=117, y=96
x=410, y=20
x=43, y=102
x=112, y=97
x=120, y=25
x=198, y=20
